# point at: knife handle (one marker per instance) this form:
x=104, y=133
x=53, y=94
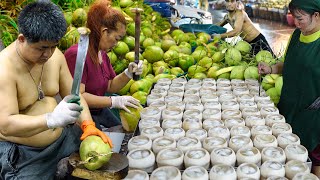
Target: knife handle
x=134, y=76
x=75, y=100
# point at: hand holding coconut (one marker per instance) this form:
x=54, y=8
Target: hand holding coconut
x=88, y=127
x=122, y=102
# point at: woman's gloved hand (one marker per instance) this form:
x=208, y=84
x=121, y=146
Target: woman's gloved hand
x=66, y=112
x=264, y=68
x=122, y=102
x=134, y=68
x=88, y=127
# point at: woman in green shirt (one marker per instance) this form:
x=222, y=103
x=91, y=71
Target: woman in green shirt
x=301, y=74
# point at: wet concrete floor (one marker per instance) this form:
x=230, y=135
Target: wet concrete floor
x=276, y=33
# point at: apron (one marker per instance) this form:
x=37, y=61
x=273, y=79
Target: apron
x=301, y=86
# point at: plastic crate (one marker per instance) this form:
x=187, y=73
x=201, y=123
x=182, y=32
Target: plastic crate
x=162, y=7
x=207, y=28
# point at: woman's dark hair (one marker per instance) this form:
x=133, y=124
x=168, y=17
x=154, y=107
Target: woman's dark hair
x=293, y=9
x=101, y=15
x=42, y=21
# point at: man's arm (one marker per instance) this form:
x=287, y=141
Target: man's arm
x=223, y=22
x=239, y=20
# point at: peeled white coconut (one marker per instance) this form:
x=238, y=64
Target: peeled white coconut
x=237, y=82
x=209, y=123
x=248, y=155
x=175, y=91
x=211, y=80
x=240, y=130
x=210, y=143
x=296, y=152
x=222, y=172
x=277, y=178
x=211, y=113
x=139, y=142
x=191, y=123
x=197, y=157
x=231, y=113
x=201, y=134
x=195, y=81
x=260, y=129
x=176, y=85
x=229, y=123
x=162, y=143
x=238, y=142
x=172, y=98
x=163, y=92
x=212, y=105
x=272, y=168
x=254, y=120
x=248, y=170
x=162, y=86
x=223, y=155
x=245, y=98
x=273, y=154
x=268, y=110
x=195, y=173
x=194, y=105
x=209, y=85
x=208, y=91
x=247, y=104
x=305, y=176
x=223, y=81
x=172, y=113
x=170, y=157
x=150, y=112
x=279, y=128
x=191, y=92
x=274, y=118
x=240, y=91
x=193, y=86
x=250, y=112
x=181, y=105
x=154, y=97
x=166, y=172
x=186, y=143
x=294, y=167
x=285, y=139
x=224, y=87
x=264, y=140
x=171, y=123
x=142, y=159
x=137, y=174
x=175, y=133
x=150, y=122
x=209, y=98
x=230, y=105
x=152, y=132
x=191, y=98
x=227, y=97
x=265, y=103
x=179, y=80
x=221, y=92
x=262, y=97
x=158, y=104
x=192, y=113
x=220, y=131
x=166, y=81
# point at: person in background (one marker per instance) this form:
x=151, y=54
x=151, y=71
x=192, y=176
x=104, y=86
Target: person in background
x=243, y=26
x=36, y=131
x=107, y=26
x=301, y=73
x=204, y=5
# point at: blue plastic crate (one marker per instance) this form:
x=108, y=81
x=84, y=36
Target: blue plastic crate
x=207, y=28
x=162, y=7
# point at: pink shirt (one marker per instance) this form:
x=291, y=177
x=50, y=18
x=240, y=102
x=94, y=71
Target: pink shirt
x=95, y=77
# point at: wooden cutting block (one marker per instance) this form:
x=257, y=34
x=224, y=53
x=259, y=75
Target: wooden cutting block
x=117, y=168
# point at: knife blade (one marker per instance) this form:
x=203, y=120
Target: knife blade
x=137, y=37
x=81, y=56
x=259, y=84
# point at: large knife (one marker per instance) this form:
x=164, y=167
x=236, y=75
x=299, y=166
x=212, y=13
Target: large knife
x=137, y=37
x=81, y=57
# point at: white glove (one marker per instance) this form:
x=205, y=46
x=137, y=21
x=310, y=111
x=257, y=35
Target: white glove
x=122, y=102
x=65, y=112
x=134, y=68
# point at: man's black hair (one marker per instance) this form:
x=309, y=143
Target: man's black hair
x=42, y=21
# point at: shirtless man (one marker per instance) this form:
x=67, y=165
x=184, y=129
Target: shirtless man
x=243, y=26
x=34, y=134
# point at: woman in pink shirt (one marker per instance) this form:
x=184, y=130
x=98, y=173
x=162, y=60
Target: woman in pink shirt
x=107, y=27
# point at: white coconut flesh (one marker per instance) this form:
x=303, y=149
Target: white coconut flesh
x=166, y=173
x=294, y=167
x=212, y=105
x=179, y=80
x=171, y=123
x=264, y=140
x=231, y=113
x=137, y=174
x=222, y=86
x=265, y=103
x=201, y=134
x=162, y=85
x=211, y=113
x=191, y=98
x=223, y=155
x=277, y=178
x=210, y=143
x=192, y=113
x=222, y=172
x=285, y=139
x=296, y=152
x=221, y=92
x=161, y=91
x=181, y=105
x=260, y=129
x=191, y=92
x=220, y=131
x=175, y=133
x=254, y=120
x=240, y=91
x=279, y=128
x=227, y=97
x=162, y=143
x=164, y=81
x=272, y=168
x=223, y=81
x=172, y=98
x=170, y=157
x=209, y=123
x=150, y=112
x=177, y=85
x=237, y=142
x=262, y=97
x=151, y=98
x=230, y=105
x=158, y=104
x=245, y=98
x=209, y=84
x=173, y=113
x=250, y=112
x=186, y=143
x=274, y=118
x=211, y=80
x=150, y=122
x=240, y=130
x=152, y=132
x=248, y=155
x=247, y=104
x=305, y=176
x=197, y=157
x=195, y=173
x=142, y=142
x=141, y=159
x=209, y=98
x=268, y=110
x=273, y=154
x=248, y=170
x=194, y=105
x=176, y=91
x=191, y=123
x=229, y=123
